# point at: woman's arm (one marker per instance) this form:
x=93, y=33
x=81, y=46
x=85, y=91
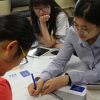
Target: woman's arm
x=62, y=26
x=46, y=38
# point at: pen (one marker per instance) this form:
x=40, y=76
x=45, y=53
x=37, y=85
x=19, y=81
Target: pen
x=34, y=81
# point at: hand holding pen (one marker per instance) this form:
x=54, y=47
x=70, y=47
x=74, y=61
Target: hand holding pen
x=35, y=88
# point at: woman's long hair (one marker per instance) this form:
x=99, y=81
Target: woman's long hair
x=55, y=10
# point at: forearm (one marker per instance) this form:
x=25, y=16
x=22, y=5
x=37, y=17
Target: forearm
x=85, y=77
x=57, y=44
x=65, y=80
x=46, y=37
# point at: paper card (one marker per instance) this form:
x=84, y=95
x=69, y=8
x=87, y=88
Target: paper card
x=25, y=73
x=77, y=88
x=19, y=80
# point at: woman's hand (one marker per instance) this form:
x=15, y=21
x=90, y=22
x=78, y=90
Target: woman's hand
x=54, y=84
x=39, y=85
x=44, y=18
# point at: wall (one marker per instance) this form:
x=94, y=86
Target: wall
x=4, y=7
x=68, y=5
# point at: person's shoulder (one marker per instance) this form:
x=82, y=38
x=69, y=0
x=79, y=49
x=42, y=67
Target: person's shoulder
x=2, y=80
x=71, y=33
x=4, y=84
x=62, y=15
x=71, y=30
x=5, y=90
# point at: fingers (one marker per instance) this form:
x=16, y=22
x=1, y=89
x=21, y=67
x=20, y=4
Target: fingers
x=42, y=88
x=31, y=89
x=38, y=90
x=47, y=17
x=47, y=91
x=34, y=92
x=48, y=88
x=53, y=84
x=44, y=18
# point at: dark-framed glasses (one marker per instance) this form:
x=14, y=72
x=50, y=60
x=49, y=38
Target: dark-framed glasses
x=84, y=29
x=24, y=60
x=44, y=8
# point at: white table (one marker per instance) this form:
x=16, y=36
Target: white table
x=35, y=66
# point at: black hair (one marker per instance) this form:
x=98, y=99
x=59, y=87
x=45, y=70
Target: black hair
x=16, y=27
x=89, y=10
x=55, y=10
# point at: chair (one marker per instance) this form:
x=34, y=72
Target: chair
x=20, y=6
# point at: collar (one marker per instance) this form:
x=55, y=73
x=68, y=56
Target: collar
x=85, y=44
x=97, y=42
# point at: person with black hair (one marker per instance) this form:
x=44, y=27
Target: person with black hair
x=50, y=22
x=84, y=39
x=16, y=38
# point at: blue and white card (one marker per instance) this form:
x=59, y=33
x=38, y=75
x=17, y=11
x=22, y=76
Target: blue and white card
x=77, y=88
x=25, y=73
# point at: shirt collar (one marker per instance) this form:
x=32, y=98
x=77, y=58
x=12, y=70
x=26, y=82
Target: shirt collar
x=97, y=42
x=85, y=44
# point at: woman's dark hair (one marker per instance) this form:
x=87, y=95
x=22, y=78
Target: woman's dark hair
x=89, y=10
x=15, y=27
x=55, y=10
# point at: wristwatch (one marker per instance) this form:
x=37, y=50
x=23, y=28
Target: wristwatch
x=69, y=83
x=37, y=78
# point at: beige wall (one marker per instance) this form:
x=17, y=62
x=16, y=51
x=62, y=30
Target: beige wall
x=65, y=3
x=4, y=7
x=68, y=5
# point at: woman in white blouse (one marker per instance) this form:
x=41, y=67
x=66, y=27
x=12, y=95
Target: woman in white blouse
x=49, y=21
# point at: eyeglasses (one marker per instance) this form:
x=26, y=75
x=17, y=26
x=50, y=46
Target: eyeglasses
x=44, y=9
x=24, y=60
x=83, y=29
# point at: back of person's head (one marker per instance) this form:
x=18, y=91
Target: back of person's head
x=88, y=10
x=15, y=27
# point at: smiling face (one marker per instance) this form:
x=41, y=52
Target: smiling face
x=84, y=29
x=42, y=10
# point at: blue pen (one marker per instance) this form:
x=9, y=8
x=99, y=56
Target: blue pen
x=34, y=81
